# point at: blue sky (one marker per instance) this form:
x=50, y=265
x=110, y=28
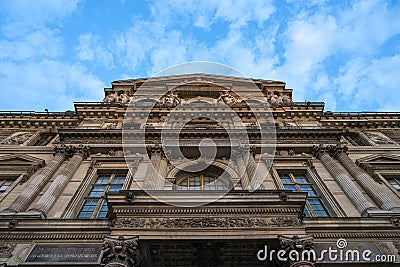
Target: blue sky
x=345, y=53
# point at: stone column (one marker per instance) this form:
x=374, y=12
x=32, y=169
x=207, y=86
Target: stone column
x=344, y=181
x=157, y=167
x=375, y=190
x=22, y=202
x=60, y=182
x=244, y=178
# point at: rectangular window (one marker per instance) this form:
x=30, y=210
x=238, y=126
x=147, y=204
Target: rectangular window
x=5, y=184
x=394, y=181
x=300, y=183
x=95, y=205
x=45, y=139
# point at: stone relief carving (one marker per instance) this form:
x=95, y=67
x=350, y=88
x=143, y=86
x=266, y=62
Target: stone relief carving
x=228, y=98
x=120, y=251
x=116, y=153
x=379, y=138
x=117, y=98
x=230, y=222
x=6, y=250
x=279, y=100
x=172, y=99
x=112, y=125
x=17, y=138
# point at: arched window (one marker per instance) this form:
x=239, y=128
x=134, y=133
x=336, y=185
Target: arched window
x=202, y=182
x=212, y=178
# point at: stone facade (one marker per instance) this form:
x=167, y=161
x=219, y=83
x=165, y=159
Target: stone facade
x=72, y=193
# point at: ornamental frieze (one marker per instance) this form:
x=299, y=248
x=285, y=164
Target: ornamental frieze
x=205, y=222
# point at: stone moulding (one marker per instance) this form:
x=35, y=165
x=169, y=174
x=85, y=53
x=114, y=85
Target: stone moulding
x=205, y=222
x=139, y=211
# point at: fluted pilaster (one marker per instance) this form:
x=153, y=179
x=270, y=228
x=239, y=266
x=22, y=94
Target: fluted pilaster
x=344, y=181
x=60, y=182
x=364, y=138
x=22, y=202
x=156, y=171
x=252, y=171
x=244, y=178
x=375, y=190
x=35, y=137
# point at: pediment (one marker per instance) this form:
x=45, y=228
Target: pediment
x=20, y=159
x=380, y=158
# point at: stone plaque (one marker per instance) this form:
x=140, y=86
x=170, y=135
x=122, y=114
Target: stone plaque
x=65, y=253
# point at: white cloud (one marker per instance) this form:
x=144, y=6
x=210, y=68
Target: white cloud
x=24, y=15
x=350, y=38
x=32, y=73
x=47, y=84
x=373, y=83
x=36, y=44
x=90, y=48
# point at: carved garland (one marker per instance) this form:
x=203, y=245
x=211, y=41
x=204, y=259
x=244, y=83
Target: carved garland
x=170, y=223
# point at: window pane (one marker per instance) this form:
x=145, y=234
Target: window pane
x=88, y=209
x=290, y=187
x=307, y=213
x=115, y=188
x=394, y=183
x=118, y=180
x=318, y=208
x=5, y=184
x=302, y=180
x=202, y=183
x=286, y=180
x=221, y=185
x=102, y=179
x=209, y=183
x=309, y=189
x=97, y=191
x=103, y=211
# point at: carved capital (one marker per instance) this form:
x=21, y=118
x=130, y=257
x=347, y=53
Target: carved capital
x=120, y=251
x=155, y=149
x=319, y=150
x=335, y=150
x=296, y=243
x=69, y=151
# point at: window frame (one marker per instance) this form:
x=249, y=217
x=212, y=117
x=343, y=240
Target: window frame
x=292, y=175
x=3, y=180
x=384, y=175
x=101, y=200
x=179, y=187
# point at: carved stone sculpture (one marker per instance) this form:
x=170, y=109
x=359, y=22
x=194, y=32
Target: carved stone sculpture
x=227, y=98
x=120, y=252
x=279, y=100
x=295, y=243
x=115, y=98
x=18, y=138
x=6, y=250
x=379, y=138
x=111, y=98
x=123, y=98
x=171, y=99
